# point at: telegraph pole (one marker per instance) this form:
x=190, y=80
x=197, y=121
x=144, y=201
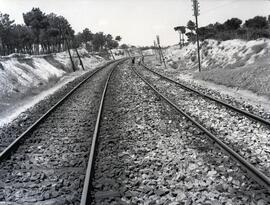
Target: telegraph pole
x=68, y=47
x=128, y=52
x=72, y=63
x=156, y=52
x=196, y=14
x=110, y=51
x=158, y=49
x=141, y=52
x=161, y=54
x=69, y=53
x=180, y=42
x=79, y=58
x=77, y=54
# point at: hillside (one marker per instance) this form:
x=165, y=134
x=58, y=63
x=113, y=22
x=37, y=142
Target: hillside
x=233, y=63
x=25, y=79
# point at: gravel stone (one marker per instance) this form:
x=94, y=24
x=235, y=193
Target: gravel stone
x=50, y=165
x=157, y=149
x=248, y=138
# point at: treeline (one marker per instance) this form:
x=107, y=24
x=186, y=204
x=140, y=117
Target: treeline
x=97, y=41
x=47, y=33
x=234, y=28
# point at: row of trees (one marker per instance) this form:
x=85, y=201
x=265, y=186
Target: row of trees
x=97, y=41
x=47, y=33
x=234, y=28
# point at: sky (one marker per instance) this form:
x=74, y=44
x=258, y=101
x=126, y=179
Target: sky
x=138, y=21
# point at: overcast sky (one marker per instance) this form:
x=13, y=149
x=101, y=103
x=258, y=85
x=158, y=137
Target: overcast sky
x=138, y=21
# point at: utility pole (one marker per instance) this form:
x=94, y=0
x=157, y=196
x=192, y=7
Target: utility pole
x=79, y=58
x=158, y=49
x=110, y=51
x=68, y=47
x=128, y=52
x=156, y=52
x=196, y=14
x=77, y=53
x=69, y=53
x=161, y=54
x=141, y=52
x=180, y=42
x=72, y=62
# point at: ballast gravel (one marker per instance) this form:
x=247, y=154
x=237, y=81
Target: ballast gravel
x=149, y=154
x=250, y=139
x=241, y=104
x=49, y=167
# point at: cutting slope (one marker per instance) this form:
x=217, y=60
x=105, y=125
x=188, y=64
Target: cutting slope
x=25, y=79
x=234, y=63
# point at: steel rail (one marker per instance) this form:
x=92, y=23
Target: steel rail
x=87, y=188
x=248, y=114
x=8, y=150
x=252, y=171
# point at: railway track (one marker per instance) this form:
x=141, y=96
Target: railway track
x=149, y=154
x=88, y=189
x=155, y=84
x=130, y=163
x=9, y=133
x=49, y=163
x=252, y=116
x=244, y=131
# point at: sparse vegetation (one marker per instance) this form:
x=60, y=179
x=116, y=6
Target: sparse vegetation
x=174, y=64
x=259, y=48
x=2, y=67
x=193, y=58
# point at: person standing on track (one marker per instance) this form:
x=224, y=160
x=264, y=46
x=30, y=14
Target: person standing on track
x=133, y=61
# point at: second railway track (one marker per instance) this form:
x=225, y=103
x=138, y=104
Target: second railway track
x=255, y=117
x=189, y=106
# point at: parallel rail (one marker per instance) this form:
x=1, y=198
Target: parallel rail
x=14, y=145
x=243, y=112
x=252, y=171
x=87, y=189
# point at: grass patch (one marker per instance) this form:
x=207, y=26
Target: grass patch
x=28, y=61
x=50, y=59
x=174, y=65
x=239, y=63
x=24, y=68
x=2, y=67
x=14, y=80
x=16, y=90
x=193, y=58
x=222, y=48
x=259, y=48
